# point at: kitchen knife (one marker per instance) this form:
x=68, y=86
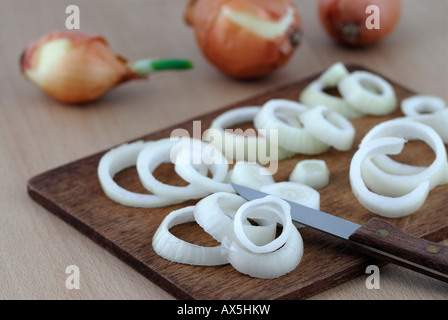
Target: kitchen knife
x=377, y=238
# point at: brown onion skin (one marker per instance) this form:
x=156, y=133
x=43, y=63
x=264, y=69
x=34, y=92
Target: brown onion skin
x=236, y=51
x=344, y=20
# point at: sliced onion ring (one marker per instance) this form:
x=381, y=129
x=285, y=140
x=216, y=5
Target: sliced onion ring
x=391, y=207
x=329, y=126
x=422, y=104
x=159, y=152
x=314, y=95
x=216, y=212
x=209, y=156
x=368, y=93
x=430, y=110
x=238, y=146
x=399, y=184
x=118, y=159
x=282, y=115
x=270, y=208
x=437, y=120
x=266, y=265
x=169, y=247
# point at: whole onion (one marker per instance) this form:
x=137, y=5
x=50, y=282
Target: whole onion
x=245, y=38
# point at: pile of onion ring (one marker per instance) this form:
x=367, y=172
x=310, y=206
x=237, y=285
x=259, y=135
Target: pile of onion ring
x=193, y=160
x=380, y=184
x=254, y=250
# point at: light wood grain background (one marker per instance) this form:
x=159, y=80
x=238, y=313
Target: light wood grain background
x=38, y=133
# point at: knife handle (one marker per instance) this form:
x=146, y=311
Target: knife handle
x=382, y=240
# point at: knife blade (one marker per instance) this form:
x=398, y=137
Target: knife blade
x=377, y=238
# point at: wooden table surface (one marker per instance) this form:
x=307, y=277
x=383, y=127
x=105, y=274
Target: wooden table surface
x=37, y=133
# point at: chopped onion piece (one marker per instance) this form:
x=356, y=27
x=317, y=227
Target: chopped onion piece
x=215, y=214
x=368, y=93
x=118, y=159
x=421, y=104
x=170, y=247
x=266, y=265
x=329, y=126
x=237, y=146
x=312, y=172
x=282, y=115
x=269, y=208
x=158, y=152
x=398, y=184
x=391, y=207
x=251, y=175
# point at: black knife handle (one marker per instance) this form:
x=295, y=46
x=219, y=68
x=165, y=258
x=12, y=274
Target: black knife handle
x=382, y=240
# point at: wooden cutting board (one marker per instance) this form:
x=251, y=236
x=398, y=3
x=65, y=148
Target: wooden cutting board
x=73, y=193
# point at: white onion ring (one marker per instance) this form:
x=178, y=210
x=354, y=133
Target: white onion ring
x=160, y=152
x=282, y=115
x=357, y=89
x=210, y=156
x=216, y=212
x=391, y=207
x=329, y=126
x=418, y=105
x=270, y=208
x=236, y=146
x=397, y=184
x=430, y=110
x=266, y=265
x=169, y=247
x=118, y=159
x=314, y=95
x=437, y=120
